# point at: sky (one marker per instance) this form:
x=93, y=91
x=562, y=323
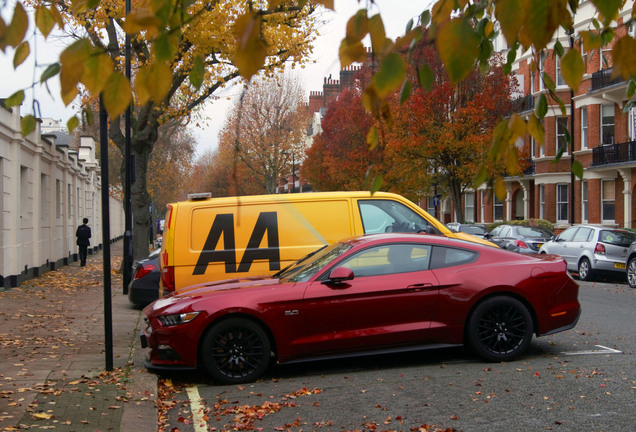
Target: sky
x=324, y=61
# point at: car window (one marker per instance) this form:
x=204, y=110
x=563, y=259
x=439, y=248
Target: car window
x=446, y=257
x=380, y=216
x=505, y=232
x=568, y=234
x=304, y=269
x=389, y=259
x=583, y=235
x=495, y=232
x=616, y=237
x=527, y=231
x=472, y=229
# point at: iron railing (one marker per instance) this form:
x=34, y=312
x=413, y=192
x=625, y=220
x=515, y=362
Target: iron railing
x=614, y=153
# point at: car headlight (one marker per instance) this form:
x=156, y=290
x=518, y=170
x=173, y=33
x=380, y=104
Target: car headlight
x=176, y=319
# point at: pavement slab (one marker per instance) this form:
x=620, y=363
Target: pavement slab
x=52, y=344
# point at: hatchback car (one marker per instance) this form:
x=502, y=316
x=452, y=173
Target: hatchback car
x=477, y=230
x=519, y=238
x=371, y=294
x=592, y=249
x=143, y=289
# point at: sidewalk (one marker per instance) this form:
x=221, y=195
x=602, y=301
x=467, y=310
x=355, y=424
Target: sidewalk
x=52, y=351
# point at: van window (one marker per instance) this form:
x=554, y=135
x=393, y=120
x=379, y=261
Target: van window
x=380, y=216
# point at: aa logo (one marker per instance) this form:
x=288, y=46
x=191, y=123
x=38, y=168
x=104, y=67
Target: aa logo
x=223, y=225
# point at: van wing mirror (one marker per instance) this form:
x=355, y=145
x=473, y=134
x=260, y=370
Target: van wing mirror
x=339, y=275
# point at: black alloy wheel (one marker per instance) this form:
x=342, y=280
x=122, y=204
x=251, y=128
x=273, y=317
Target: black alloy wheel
x=235, y=351
x=500, y=329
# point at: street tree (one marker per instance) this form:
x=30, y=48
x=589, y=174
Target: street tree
x=339, y=157
x=266, y=128
x=440, y=137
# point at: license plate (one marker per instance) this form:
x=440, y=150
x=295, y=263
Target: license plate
x=539, y=245
x=619, y=265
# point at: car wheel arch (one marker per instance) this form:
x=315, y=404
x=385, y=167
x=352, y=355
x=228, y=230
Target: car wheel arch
x=231, y=315
x=503, y=293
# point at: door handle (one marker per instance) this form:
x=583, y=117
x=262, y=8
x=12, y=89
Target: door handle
x=419, y=286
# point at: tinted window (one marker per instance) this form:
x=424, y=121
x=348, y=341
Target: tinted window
x=533, y=232
x=505, y=232
x=476, y=230
x=616, y=237
x=446, y=257
x=389, y=259
x=380, y=216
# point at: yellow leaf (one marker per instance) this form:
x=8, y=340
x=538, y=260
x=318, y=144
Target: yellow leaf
x=458, y=47
x=21, y=54
x=536, y=130
x=72, y=123
x=372, y=138
x=116, y=94
x=377, y=33
x=44, y=20
x=18, y=26
x=509, y=14
x=351, y=53
x=142, y=92
x=624, y=55
x=97, y=69
x=42, y=416
x=518, y=126
x=141, y=19
x=27, y=124
x=591, y=40
x=72, y=60
x=443, y=9
x=541, y=19
x=500, y=188
x=326, y=3
x=159, y=81
x=251, y=49
x=573, y=68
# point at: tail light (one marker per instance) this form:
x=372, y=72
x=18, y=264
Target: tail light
x=599, y=249
x=521, y=244
x=143, y=270
x=167, y=279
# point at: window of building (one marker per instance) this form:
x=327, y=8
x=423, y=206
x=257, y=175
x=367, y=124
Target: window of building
x=631, y=126
x=532, y=85
x=561, y=133
x=584, y=211
x=607, y=124
x=498, y=209
x=44, y=198
x=533, y=147
x=58, y=199
x=583, y=128
x=607, y=201
x=541, y=201
x=560, y=81
x=469, y=207
x=562, y=203
x=430, y=206
x=482, y=201
x=542, y=58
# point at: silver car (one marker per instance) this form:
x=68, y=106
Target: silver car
x=591, y=249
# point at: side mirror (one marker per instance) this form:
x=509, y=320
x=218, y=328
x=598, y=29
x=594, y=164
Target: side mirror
x=339, y=275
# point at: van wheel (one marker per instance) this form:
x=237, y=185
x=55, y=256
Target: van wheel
x=235, y=351
x=631, y=272
x=585, y=270
x=499, y=329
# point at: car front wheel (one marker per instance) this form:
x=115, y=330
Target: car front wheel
x=235, y=351
x=585, y=269
x=631, y=272
x=500, y=329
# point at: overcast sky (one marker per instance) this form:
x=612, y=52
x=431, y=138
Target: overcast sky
x=395, y=14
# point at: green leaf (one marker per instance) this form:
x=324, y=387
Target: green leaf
x=547, y=82
x=591, y=40
x=15, y=99
x=351, y=52
x=27, y=124
x=377, y=33
x=50, y=71
x=577, y=169
x=357, y=26
x=573, y=68
x=426, y=77
x=558, y=48
x=458, y=47
x=160, y=81
x=377, y=183
x=72, y=123
x=405, y=92
x=631, y=87
x=536, y=130
x=163, y=47
x=97, y=69
x=608, y=9
x=425, y=18
x=390, y=75
x=21, y=54
x=541, y=108
x=197, y=73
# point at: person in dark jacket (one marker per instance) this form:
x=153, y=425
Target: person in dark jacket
x=83, y=235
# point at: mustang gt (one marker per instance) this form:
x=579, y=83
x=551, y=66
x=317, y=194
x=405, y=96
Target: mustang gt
x=365, y=295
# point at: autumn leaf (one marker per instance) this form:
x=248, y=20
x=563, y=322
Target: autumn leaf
x=573, y=68
x=251, y=49
x=458, y=47
x=44, y=19
x=17, y=29
x=116, y=94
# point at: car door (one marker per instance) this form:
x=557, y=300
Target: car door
x=563, y=246
x=389, y=302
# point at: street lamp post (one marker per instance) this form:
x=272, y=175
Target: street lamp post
x=283, y=152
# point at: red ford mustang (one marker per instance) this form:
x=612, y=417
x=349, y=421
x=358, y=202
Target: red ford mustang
x=371, y=294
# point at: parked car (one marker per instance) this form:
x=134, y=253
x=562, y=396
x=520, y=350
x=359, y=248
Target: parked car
x=143, y=289
x=369, y=294
x=477, y=230
x=520, y=238
x=631, y=265
x=592, y=249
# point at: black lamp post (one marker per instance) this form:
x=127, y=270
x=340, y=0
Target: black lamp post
x=283, y=152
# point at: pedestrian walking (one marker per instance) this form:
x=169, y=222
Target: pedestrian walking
x=83, y=235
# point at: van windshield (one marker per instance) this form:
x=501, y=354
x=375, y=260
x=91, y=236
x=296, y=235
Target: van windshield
x=304, y=269
x=379, y=216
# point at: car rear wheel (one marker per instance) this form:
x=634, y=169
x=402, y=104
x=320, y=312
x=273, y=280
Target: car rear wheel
x=500, y=329
x=585, y=270
x=631, y=272
x=235, y=351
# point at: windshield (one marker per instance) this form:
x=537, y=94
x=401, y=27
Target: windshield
x=474, y=229
x=304, y=269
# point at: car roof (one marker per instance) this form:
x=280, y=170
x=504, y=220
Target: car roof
x=371, y=239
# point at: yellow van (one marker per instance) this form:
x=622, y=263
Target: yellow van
x=207, y=239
